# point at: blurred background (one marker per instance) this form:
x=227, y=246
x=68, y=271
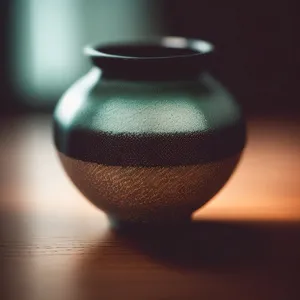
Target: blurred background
x=42, y=41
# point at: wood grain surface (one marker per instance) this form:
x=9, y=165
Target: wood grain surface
x=244, y=244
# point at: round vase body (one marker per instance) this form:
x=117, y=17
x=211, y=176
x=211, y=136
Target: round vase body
x=148, y=135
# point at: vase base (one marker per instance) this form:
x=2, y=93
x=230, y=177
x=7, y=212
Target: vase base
x=124, y=225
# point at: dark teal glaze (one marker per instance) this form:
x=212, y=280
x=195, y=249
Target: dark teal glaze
x=166, y=117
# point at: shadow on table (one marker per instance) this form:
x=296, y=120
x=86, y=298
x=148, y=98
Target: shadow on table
x=198, y=245
x=202, y=258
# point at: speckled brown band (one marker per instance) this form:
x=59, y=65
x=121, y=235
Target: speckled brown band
x=147, y=194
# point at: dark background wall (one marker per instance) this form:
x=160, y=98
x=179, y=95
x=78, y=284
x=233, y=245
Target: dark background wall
x=257, y=42
x=6, y=101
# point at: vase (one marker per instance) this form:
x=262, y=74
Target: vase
x=148, y=135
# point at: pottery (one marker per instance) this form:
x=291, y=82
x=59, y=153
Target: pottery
x=148, y=135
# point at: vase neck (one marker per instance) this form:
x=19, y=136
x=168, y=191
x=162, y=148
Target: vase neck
x=152, y=62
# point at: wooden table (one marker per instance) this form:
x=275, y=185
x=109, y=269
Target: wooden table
x=245, y=244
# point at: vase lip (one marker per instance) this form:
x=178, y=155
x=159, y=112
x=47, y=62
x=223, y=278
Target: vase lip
x=149, y=49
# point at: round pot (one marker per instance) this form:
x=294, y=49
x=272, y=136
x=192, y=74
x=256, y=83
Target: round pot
x=148, y=135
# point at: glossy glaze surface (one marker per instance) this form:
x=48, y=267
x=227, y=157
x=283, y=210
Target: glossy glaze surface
x=148, y=123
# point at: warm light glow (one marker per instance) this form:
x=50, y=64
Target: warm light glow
x=265, y=186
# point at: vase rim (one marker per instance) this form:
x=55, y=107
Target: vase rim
x=170, y=47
